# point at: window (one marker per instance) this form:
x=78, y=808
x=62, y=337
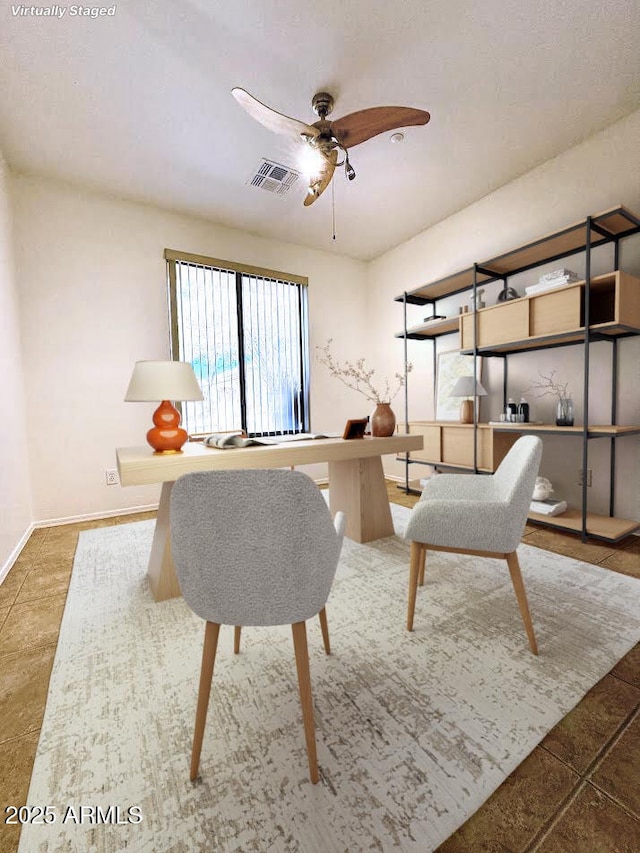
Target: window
x=245, y=331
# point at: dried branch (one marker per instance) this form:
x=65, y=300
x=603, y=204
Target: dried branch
x=355, y=376
x=549, y=386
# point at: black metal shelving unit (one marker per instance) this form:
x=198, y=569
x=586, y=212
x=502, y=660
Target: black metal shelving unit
x=608, y=227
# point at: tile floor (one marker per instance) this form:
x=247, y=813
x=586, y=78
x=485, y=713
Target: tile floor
x=577, y=792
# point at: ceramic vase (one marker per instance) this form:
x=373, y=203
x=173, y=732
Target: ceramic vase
x=383, y=421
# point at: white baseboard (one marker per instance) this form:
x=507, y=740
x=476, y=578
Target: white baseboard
x=57, y=522
x=13, y=556
x=94, y=516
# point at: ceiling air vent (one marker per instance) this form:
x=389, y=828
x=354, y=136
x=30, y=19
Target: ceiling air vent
x=273, y=177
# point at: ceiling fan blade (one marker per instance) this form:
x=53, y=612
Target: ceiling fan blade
x=357, y=127
x=271, y=119
x=321, y=181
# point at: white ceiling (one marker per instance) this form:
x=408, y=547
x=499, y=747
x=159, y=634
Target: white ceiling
x=139, y=104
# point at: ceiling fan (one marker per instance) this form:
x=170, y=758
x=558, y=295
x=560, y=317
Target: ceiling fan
x=331, y=138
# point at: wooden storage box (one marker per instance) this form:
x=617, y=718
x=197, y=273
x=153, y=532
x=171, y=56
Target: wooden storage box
x=457, y=446
x=431, y=449
x=627, y=301
x=451, y=443
x=555, y=311
x=498, y=324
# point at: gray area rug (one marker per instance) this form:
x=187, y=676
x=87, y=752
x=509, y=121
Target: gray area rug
x=414, y=731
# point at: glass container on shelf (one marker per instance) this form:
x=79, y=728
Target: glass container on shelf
x=523, y=411
x=564, y=412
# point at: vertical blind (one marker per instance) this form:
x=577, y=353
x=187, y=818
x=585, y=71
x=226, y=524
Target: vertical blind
x=245, y=332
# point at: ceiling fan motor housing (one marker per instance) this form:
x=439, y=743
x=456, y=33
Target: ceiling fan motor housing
x=322, y=103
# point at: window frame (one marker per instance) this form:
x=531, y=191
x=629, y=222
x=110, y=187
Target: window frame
x=173, y=257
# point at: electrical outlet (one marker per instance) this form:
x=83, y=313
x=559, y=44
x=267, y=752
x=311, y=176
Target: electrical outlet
x=111, y=476
x=589, y=477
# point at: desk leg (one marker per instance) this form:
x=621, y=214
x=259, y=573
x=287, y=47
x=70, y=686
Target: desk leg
x=357, y=488
x=161, y=571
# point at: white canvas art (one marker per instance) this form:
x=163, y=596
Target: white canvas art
x=451, y=366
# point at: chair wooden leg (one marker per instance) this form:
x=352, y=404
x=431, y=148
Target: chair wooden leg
x=418, y=553
x=236, y=639
x=521, y=595
x=325, y=630
x=299, y=630
x=423, y=560
x=211, y=631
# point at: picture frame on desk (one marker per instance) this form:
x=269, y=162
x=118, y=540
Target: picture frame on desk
x=450, y=367
x=355, y=428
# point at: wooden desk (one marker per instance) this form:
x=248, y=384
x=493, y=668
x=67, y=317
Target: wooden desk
x=356, y=484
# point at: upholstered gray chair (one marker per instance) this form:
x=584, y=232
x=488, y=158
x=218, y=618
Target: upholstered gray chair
x=254, y=548
x=482, y=515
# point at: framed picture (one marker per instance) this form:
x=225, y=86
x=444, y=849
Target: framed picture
x=451, y=366
x=355, y=428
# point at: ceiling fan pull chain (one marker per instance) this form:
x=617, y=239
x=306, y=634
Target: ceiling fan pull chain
x=333, y=209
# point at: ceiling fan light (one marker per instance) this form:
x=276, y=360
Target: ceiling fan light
x=310, y=162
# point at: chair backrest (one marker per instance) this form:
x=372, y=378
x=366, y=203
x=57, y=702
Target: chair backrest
x=515, y=478
x=253, y=547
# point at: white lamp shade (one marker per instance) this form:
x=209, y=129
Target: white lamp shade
x=153, y=381
x=465, y=387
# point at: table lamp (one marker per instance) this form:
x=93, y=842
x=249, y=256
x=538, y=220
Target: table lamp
x=163, y=381
x=466, y=387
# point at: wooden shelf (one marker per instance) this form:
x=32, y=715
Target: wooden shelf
x=594, y=431
x=450, y=444
x=575, y=336
x=448, y=286
x=556, y=317
x=432, y=329
x=598, y=526
x=616, y=222
x=607, y=308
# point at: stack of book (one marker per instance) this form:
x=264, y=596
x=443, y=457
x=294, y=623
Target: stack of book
x=556, y=278
x=548, y=507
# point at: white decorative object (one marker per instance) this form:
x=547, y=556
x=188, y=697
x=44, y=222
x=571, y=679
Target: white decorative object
x=548, y=507
x=477, y=298
x=542, y=489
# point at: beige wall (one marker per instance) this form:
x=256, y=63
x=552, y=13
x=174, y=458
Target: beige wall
x=93, y=301
x=15, y=490
x=593, y=176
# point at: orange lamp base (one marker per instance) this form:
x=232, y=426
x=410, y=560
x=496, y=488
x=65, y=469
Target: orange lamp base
x=167, y=436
